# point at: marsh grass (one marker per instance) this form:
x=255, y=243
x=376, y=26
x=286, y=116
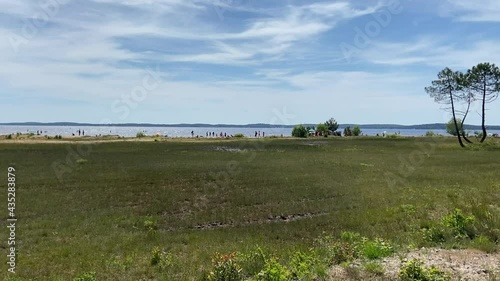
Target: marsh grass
x=285, y=195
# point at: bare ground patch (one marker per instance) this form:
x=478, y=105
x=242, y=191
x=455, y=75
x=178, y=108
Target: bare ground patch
x=472, y=265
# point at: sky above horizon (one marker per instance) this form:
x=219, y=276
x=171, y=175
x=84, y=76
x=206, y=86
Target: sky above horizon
x=238, y=61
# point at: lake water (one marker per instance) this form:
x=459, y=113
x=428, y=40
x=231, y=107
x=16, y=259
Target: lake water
x=186, y=131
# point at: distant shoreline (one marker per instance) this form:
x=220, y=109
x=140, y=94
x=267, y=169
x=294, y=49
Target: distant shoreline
x=434, y=126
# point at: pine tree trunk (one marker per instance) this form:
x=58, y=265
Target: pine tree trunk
x=455, y=120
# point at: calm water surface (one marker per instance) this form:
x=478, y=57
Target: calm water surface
x=185, y=131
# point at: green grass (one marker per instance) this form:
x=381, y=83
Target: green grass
x=192, y=199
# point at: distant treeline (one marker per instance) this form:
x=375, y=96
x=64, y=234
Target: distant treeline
x=435, y=126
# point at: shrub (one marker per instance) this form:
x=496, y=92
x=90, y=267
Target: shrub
x=239, y=135
x=150, y=224
x=459, y=223
x=9, y=136
x=450, y=127
x=430, y=134
x=225, y=268
x=356, y=131
x=415, y=271
x=347, y=132
x=273, y=271
x=88, y=276
x=299, y=131
x=375, y=249
x=302, y=266
x=140, y=135
x=351, y=246
x=322, y=129
x=253, y=262
x=434, y=234
x=160, y=258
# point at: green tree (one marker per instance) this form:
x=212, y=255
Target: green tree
x=445, y=90
x=483, y=81
x=356, y=131
x=299, y=131
x=347, y=132
x=452, y=130
x=332, y=125
x=322, y=129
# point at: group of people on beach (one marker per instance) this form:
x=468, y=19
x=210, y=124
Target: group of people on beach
x=257, y=134
x=215, y=135
x=80, y=132
x=225, y=135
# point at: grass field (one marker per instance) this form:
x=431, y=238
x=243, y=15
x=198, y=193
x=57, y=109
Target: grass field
x=110, y=209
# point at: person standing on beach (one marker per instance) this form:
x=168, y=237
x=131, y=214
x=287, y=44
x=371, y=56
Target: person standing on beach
x=78, y=131
x=83, y=132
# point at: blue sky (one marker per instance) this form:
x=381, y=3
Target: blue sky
x=238, y=61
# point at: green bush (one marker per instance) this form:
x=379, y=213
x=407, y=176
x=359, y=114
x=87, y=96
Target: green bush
x=302, y=266
x=415, y=271
x=347, y=132
x=338, y=251
x=299, y=131
x=140, y=135
x=322, y=129
x=376, y=249
x=160, y=258
x=88, y=276
x=239, y=135
x=430, y=134
x=434, y=234
x=459, y=223
x=225, y=268
x=352, y=246
x=452, y=130
x=356, y=131
x=274, y=271
x=9, y=136
x=253, y=262
x=150, y=224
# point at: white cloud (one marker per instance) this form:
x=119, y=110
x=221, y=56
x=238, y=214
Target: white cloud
x=471, y=11
x=433, y=52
